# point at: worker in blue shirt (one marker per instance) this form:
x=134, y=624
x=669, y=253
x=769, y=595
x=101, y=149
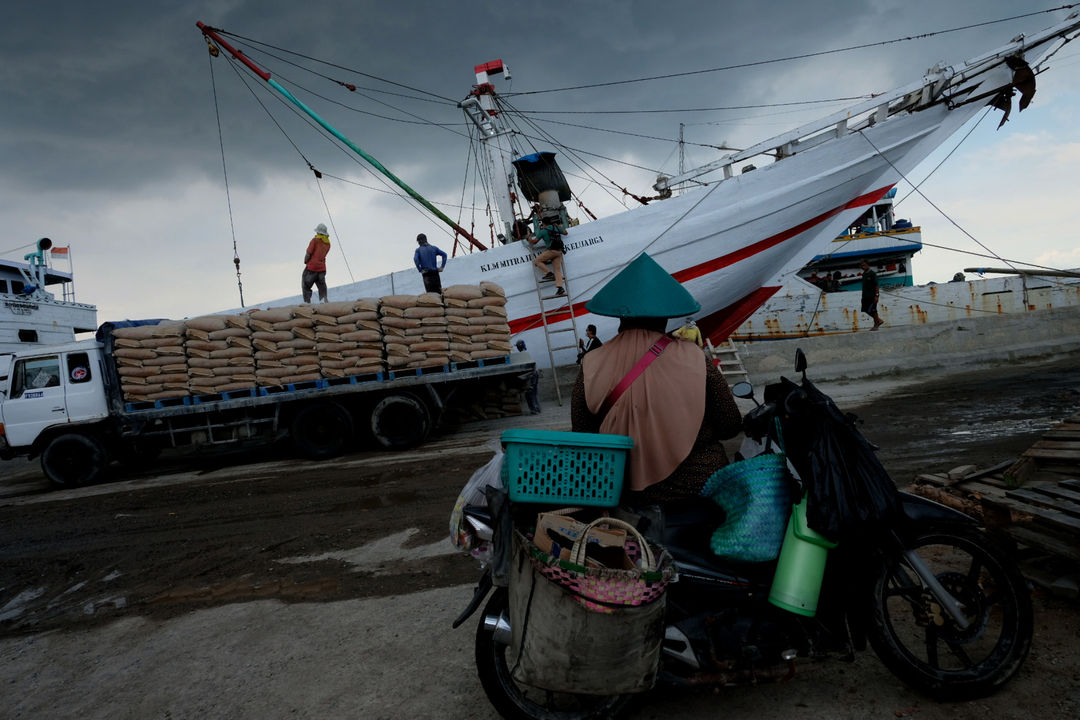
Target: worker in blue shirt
x=426, y=259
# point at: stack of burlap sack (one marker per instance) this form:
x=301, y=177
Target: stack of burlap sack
x=308, y=342
x=467, y=322
x=151, y=362
x=286, y=345
x=476, y=319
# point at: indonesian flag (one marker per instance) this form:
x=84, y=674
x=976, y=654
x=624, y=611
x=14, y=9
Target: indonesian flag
x=60, y=250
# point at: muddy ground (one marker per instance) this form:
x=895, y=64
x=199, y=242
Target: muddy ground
x=263, y=586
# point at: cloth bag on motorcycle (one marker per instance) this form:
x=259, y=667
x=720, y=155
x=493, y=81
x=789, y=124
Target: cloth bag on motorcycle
x=561, y=642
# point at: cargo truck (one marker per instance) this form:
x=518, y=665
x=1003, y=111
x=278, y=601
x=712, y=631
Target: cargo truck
x=64, y=404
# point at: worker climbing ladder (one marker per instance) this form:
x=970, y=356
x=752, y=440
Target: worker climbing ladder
x=725, y=357
x=554, y=309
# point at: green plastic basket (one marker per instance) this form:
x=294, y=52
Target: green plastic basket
x=545, y=466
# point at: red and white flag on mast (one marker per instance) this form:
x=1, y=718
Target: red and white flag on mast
x=61, y=250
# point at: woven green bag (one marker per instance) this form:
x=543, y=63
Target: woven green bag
x=755, y=496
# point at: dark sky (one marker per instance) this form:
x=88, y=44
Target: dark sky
x=109, y=136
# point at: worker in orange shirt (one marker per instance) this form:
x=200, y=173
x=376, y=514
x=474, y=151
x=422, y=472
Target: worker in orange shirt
x=315, y=264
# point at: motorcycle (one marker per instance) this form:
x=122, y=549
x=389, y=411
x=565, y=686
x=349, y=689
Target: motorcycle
x=943, y=606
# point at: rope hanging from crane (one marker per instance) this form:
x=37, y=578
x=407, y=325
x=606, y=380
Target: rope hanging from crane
x=213, y=52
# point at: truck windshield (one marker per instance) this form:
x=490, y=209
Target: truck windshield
x=35, y=373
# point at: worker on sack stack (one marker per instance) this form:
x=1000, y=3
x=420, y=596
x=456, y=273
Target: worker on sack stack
x=315, y=264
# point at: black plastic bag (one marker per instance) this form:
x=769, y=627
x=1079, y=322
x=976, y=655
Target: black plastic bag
x=849, y=492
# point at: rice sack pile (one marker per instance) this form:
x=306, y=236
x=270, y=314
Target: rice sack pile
x=348, y=338
x=219, y=355
x=476, y=319
x=150, y=361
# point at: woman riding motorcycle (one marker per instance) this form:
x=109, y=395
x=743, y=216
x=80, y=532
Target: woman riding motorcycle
x=663, y=393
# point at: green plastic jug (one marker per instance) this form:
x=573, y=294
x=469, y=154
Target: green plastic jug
x=801, y=567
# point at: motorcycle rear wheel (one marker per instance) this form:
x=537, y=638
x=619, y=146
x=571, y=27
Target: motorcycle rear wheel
x=523, y=702
x=918, y=641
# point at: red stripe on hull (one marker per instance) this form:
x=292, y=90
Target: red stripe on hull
x=723, y=325
x=719, y=325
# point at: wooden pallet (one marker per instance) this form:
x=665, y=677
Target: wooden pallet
x=1035, y=500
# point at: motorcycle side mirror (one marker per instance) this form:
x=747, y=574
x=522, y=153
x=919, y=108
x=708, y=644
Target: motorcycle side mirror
x=800, y=360
x=743, y=390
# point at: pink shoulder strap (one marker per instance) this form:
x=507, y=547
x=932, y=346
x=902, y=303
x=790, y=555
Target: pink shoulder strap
x=647, y=359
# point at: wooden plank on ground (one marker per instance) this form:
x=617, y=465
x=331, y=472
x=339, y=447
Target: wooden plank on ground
x=1062, y=547
x=1053, y=454
x=1056, y=444
x=1037, y=498
x=1056, y=490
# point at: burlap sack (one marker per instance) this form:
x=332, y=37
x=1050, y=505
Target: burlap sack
x=455, y=302
x=398, y=301
x=367, y=305
x=135, y=353
x=424, y=312
x=361, y=336
x=228, y=333
x=273, y=315
x=485, y=301
x=273, y=336
x=390, y=311
x=140, y=332
x=490, y=288
x=362, y=352
x=207, y=362
x=397, y=349
x=209, y=345
x=170, y=328
x=262, y=355
x=339, y=364
x=359, y=317
x=206, y=323
x=232, y=352
x=495, y=310
x=299, y=343
x=484, y=354
x=136, y=372
x=429, y=299
x=400, y=322
x=463, y=292
x=275, y=372
x=321, y=319
x=338, y=309
x=466, y=312
x=300, y=322
x=242, y=361
x=161, y=342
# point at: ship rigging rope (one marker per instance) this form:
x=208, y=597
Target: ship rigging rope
x=804, y=56
x=225, y=172
x=322, y=132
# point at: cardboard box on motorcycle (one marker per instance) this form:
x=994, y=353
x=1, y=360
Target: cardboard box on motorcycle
x=605, y=547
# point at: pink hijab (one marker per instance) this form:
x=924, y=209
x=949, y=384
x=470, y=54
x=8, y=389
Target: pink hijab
x=662, y=410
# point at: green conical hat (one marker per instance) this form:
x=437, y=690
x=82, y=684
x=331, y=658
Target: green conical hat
x=643, y=289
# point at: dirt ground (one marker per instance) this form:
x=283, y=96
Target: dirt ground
x=262, y=586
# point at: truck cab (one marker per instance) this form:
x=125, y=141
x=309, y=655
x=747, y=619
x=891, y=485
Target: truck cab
x=49, y=390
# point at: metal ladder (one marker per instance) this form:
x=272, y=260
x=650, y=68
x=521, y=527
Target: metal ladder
x=725, y=357
x=552, y=304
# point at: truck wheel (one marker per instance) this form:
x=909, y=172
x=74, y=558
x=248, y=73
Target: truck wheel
x=400, y=422
x=72, y=459
x=321, y=430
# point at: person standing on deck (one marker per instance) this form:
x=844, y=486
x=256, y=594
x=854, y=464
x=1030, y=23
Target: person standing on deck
x=870, y=293
x=315, y=265
x=426, y=259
